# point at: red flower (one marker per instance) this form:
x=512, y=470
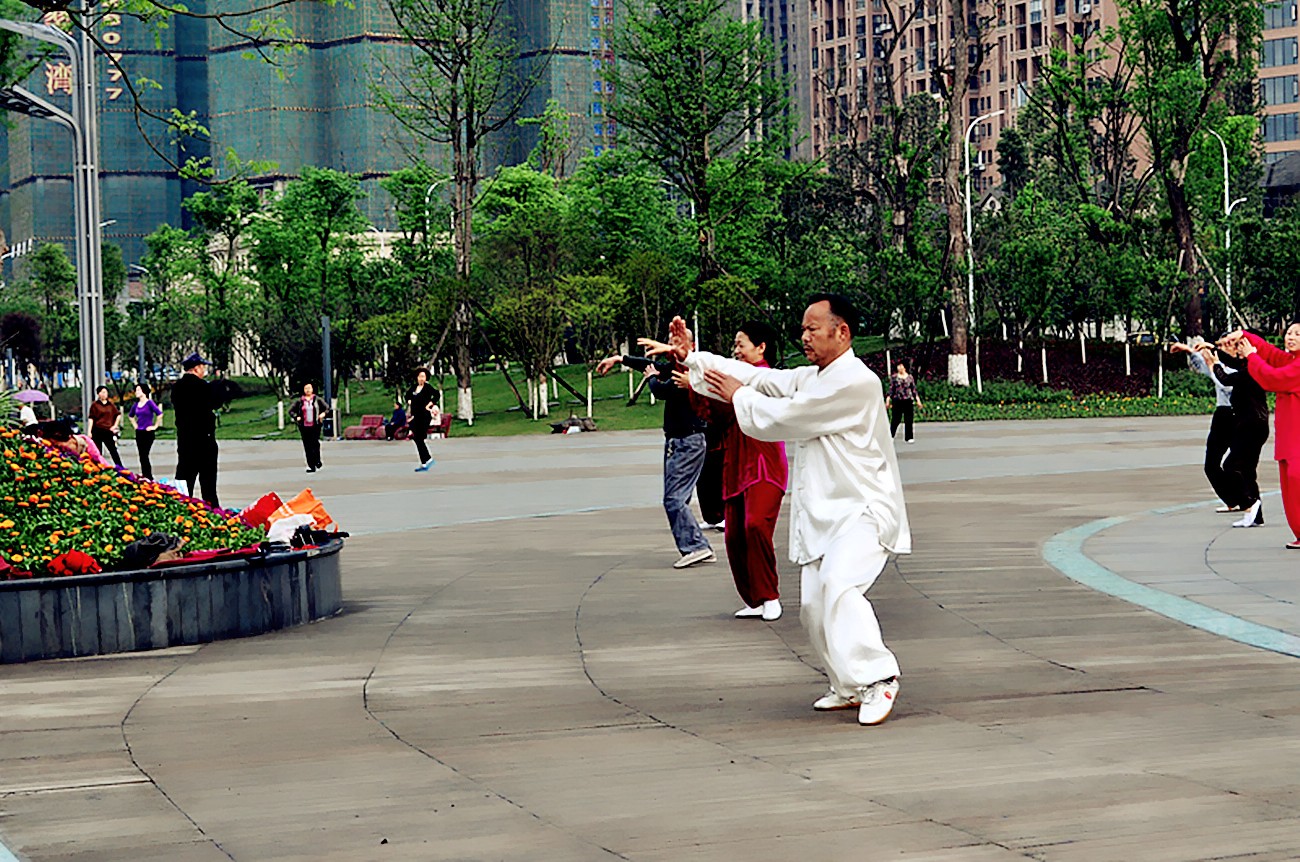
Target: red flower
x=73, y=563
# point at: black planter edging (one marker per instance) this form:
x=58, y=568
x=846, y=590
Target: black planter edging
x=156, y=608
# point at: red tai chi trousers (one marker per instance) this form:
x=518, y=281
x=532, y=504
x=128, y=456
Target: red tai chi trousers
x=751, y=522
x=1290, y=476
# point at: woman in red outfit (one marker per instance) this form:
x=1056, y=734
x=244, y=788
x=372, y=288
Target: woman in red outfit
x=754, y=476
x=1279, y=371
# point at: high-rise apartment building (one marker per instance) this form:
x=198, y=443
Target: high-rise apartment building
x=865, y=54
x=1279, y=80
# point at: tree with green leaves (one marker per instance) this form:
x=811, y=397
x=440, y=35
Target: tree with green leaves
x=464, y=83
x=51, y=283
x=306, y=259
x=1191, y=60
x=222, y=217
x=698, y=85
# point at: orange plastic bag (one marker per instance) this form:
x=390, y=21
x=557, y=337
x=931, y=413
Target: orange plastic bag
x=305, y=504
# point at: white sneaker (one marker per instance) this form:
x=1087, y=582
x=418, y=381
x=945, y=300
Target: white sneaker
x=877, y=702
x=833, y=700
x=1223, y=510
x=748, y=613
x=1253, y=517
x=772, y=610
x=721, y=526
x=693, y=558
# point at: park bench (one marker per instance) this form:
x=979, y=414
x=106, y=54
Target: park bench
x=371, y=428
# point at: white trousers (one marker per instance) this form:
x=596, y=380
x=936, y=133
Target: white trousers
x=840, y=622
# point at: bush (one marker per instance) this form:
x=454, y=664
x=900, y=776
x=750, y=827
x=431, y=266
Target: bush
x=995, y=392
x=1184, y=382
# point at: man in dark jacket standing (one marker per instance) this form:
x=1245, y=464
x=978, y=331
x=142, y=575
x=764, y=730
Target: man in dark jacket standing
x=309, y=413
x=195, y=408
x=684, y=450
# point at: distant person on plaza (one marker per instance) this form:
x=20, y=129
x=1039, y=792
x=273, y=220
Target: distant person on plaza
x=195, y=405
x=1222, y=426
x=752, y=483
x=903, y=398
x=1249, y=429
x=684, y=449
x=106, y=423
x=148, y=417
x=397, y=421
x=847, y=513
x=308, y=413
x=424, y=400
x=1279, y=371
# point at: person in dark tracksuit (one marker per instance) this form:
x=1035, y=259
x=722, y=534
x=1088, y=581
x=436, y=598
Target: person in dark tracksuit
x=1249, y=432
x=1221, y=430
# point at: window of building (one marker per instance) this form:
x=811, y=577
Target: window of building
x=1278, y=52
x=1280, y=14
x=1281, y=90
x=1281, y=127
x=597, y=87
x=597, y=109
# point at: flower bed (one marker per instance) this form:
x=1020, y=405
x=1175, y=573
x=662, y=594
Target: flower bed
x=54, y=508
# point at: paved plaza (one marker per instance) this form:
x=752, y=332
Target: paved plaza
x=519, y=674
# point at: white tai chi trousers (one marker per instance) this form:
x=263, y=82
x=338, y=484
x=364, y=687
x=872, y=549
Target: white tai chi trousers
x=840, y=622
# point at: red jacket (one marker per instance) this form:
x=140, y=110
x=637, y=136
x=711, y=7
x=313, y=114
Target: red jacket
x=745, y=461
x=1278, y=371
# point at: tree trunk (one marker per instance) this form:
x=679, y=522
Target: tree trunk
x=463, y=316
x=1180, y=212
x=958, y=372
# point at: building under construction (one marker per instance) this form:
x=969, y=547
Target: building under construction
x=316, y=106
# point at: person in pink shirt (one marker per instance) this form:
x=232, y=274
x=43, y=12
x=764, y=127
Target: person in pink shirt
x=1279, y=371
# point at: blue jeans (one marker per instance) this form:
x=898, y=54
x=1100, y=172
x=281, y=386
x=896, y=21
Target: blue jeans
x=683, y=460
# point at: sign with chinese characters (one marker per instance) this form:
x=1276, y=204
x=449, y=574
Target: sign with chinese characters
x=58, y=75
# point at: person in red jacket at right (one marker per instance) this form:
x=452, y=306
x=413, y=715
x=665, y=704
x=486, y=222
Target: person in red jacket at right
x=1279, y=371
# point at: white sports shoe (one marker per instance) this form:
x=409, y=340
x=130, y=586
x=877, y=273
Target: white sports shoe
x=1253, y=517
x=833, y=700
x=748, y=613
x=693, y=558
x=771, y=610
x=878, y=702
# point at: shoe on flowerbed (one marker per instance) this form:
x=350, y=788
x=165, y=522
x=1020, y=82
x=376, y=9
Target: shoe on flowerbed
x=878, y=702
x=833, y=700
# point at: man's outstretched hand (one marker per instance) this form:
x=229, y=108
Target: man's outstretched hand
x=723, y=386
x=603, y=367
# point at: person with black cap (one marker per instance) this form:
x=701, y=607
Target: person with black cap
x=195, y=408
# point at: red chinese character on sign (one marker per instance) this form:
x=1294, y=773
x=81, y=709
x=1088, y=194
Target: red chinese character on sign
x=58, y=78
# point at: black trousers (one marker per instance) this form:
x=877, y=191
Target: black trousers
x=311, y=444
x=1222, y=427
x=418, y=433
x=198, y=458
x=709, y=487
x=143, y=444
x=902, y=412
x=107, y=442
x=1241, y=467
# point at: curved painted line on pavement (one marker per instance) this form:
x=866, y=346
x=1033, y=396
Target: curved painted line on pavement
x=1064, y=552
x=6, y=855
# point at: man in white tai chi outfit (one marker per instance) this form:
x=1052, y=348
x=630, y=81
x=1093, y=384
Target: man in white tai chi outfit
x=846, y=501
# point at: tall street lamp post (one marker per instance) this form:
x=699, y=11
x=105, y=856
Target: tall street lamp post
x=83, y=123
x=970, y=248
x=1228, y=207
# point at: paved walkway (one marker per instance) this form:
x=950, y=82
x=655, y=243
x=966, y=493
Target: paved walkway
x=508, y=686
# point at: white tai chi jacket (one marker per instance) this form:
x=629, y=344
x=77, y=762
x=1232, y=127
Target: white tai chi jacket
x=842, y=462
